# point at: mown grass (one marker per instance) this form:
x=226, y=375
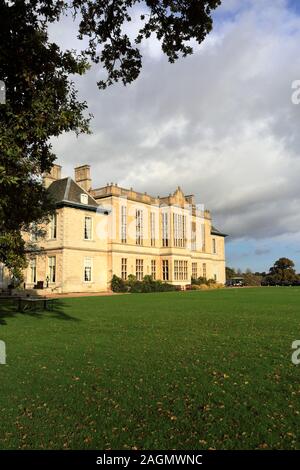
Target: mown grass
x=192, y=370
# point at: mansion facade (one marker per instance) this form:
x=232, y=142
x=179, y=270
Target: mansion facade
x=98, y=233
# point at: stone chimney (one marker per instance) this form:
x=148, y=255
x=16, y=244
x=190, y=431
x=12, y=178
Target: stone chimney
x=54, y=175
x=83, y=177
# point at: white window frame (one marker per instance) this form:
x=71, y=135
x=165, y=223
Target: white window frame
x=180, y=270
x=204, y=270
x=203, y=234
x=52, y=269
x=165, y=229
x=84, y=199
x=85, y=229
x=194, y=270
x=124, y=269
x=176, y=270
x=88, y=269
x=185, y=270
x=53, y=227
x=123, y=224
x=193, y=236
x=152, y=228
x=139, y=227
x=179, y=230
x=139, y=269
x=153, y=269
x=165, y=270
x=32, y=266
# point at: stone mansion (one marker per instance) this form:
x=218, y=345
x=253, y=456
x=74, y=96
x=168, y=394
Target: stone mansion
x=96, y=233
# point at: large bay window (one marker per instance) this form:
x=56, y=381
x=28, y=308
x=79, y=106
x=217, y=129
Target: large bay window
x=139, y=226
x=179, y=227
x=193, y=236
x=203, y=234
x=165, y=229
x=152, y=228
x=123, y=224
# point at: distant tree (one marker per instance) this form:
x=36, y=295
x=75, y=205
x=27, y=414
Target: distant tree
x=252, y=279
x=262, y=274
x=230, y=272
x=282, y=273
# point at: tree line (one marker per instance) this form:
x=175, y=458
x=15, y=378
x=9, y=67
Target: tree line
x=282, y=273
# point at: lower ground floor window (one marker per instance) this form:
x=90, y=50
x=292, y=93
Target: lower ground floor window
x=180, y=270
x=194, y=271
x=153, y=269
x=52, y=268
x=165, y=270
x=139, y=269
x=185, y=270
x=204, y=270
x=124, y=269
x=33, y=271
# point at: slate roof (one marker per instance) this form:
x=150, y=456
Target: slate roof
x=215, y=231
x=66, y=192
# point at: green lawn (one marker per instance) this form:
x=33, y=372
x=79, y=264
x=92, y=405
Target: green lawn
x=192, y=370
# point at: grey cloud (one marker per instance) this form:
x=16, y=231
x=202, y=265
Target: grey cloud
x=262, y=251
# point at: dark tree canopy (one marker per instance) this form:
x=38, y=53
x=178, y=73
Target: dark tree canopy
x=41, y=101
x=230, y=272
x=282, y=273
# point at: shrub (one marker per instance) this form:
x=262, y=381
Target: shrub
x=165, y=287
x=131, y=280
x=203, y=287
x=118, y=285
x=136, y=287
x=133, y=285
x=202, y=281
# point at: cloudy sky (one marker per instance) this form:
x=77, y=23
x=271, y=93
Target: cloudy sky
x=221, y=124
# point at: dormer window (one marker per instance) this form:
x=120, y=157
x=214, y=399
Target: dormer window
x=84, y=199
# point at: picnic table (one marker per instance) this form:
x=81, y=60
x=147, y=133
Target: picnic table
x=32, y=304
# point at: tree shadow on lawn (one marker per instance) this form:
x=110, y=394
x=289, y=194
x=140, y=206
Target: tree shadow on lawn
x=10, y=310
